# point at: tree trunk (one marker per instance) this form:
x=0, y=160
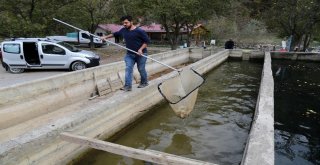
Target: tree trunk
x=170, y=37
x=175, y=36
x=173, y=41
x=306, y=41
x=189, y=34
x=92, y=29
x=189, y=40
x=91, y=42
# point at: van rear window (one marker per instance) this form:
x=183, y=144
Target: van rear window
x=11, y=48
x=68, y=46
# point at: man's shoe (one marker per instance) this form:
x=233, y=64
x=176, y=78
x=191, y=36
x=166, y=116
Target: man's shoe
x=126, y=88
x=143, y=85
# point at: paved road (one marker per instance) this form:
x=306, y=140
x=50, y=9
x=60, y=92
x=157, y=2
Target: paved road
x=7, y=79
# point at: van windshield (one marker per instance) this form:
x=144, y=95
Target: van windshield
x=68, y=46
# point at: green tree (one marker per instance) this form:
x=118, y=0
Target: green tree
x=257, y=7
x=317, y=33
x=234, y=22
x=173, y=15
x=296, y=18
x=136, y=9
x=84, y=14
x=89, y=14
x=28, y=18
x=33, y=18
x=200, y=10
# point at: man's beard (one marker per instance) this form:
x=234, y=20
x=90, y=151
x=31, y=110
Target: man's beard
x=128, y=27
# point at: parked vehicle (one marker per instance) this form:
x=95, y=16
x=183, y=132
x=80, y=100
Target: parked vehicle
x=36, y=53
x=79, y=38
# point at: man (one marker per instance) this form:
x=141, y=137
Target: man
x=229, y=44
x=136, y=39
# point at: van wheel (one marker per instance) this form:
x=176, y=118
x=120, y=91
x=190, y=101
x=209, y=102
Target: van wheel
x=16, y=70
x=78, y=65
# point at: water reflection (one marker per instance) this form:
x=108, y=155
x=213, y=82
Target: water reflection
x=297, y=108
x=217, y=129
x=180, y=145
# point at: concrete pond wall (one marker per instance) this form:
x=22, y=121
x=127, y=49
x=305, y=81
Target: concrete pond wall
x=301, y=56
x=260, y=144
x=256, y=55
x=27, y=101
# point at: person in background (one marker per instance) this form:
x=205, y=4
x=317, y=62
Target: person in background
x=137, y=40
x=229, y=44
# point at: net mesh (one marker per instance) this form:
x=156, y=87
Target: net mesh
x=181, y=91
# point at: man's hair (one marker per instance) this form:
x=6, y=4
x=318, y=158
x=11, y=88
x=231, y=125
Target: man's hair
x=128, y=17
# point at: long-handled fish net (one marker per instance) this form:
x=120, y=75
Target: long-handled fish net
x=180, y=91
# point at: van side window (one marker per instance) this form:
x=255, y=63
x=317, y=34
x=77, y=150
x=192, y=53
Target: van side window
x=11, y=48
x=52, y=49
x=84, y=35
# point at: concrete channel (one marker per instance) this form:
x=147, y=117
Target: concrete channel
x=32, y=115
x=260, y=144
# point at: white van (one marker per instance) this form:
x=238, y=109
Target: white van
x=79, y=38
x=35, y=53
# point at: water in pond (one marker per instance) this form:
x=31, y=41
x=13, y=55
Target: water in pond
x=216, y=131
x=297, y=112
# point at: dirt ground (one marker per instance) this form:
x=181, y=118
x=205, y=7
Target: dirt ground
x=108, y=54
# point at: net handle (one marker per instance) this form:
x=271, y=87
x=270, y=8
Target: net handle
x=120, y=46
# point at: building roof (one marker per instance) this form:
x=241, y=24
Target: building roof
x=110, y=27
x=200, y=29
x=156, y=28
x=153, y=28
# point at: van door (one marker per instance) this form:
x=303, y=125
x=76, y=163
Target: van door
x=31, y=54
x=84, y=38
x=52, y=55
x=13, y=55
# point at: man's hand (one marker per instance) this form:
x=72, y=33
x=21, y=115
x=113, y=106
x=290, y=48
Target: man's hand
x=140, y=52
x=104, y=38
